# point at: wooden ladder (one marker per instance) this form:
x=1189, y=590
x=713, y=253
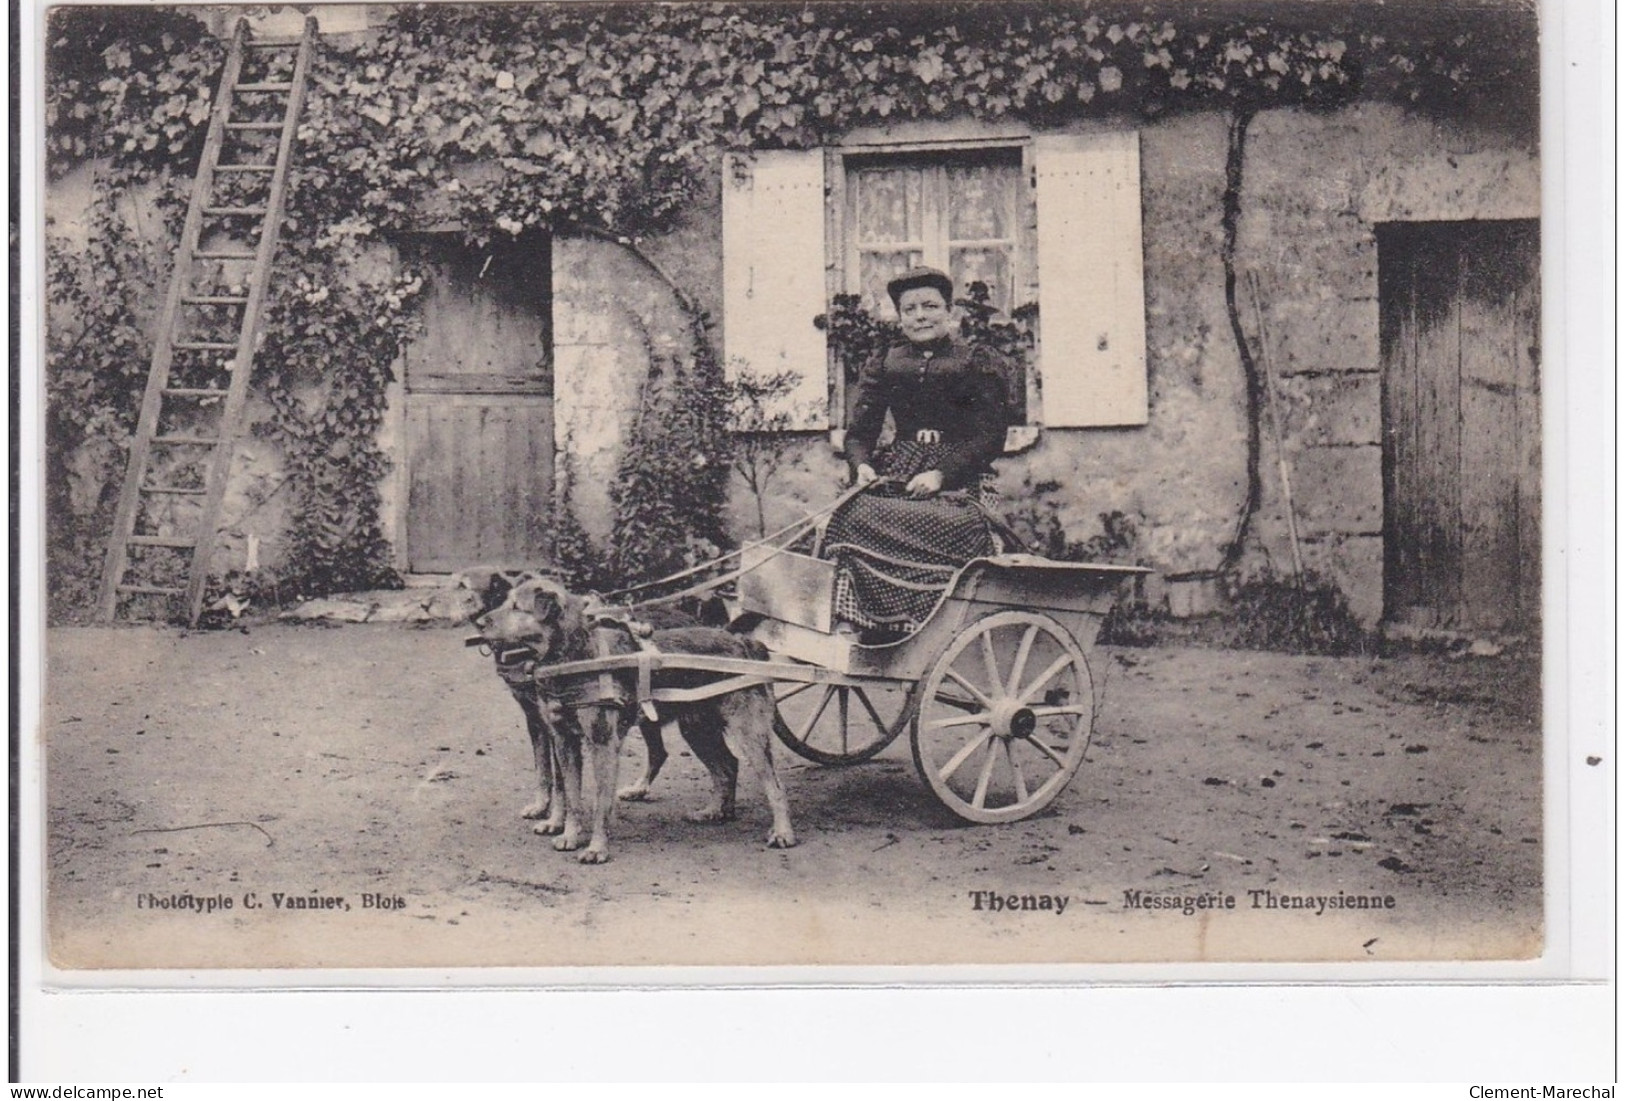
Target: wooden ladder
x=167, y=521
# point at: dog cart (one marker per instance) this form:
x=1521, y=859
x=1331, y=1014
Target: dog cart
x=995, y=687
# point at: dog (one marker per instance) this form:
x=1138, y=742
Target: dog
x=538, y=616
x=514, y=664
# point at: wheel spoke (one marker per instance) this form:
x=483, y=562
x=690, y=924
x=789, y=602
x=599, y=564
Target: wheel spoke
x=957, y=720
x=968, y=706
x=991, y=660
x=1047, y=751
x=1059, y=709
x=796, y=691
x=823, y=704
x=863, y=698
x=1015, y=769
x=979, y=799
x=809, y=729
x=962, y=756
x=1046, y=676
x=1020, y=666
x=953, y=675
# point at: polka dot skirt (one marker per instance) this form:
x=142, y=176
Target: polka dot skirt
x=895, y=555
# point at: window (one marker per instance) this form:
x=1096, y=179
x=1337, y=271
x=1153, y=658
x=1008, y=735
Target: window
x=1052, y=219
x=965, y=214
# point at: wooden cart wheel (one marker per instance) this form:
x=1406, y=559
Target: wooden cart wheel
x=1005, y=717
x=836, y=724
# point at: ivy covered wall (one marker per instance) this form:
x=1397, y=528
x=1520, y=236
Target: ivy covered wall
x=608, y=124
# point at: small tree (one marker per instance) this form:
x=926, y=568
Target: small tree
x=761, y=422
x=672, y=481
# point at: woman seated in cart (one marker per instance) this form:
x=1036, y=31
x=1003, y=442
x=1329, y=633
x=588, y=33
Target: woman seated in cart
x=897, y=546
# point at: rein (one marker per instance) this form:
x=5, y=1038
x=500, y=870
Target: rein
x=789, y=533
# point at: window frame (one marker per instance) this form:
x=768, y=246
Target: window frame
x=841, y=249
x=936, y=242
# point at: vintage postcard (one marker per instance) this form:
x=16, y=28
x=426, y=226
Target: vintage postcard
x=761, y=485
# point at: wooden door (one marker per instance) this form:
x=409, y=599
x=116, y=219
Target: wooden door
x=479, y=408
x=1460, y=317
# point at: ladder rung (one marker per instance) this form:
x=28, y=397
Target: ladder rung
x=186, y=441
x=216, y=203
x=159, y=541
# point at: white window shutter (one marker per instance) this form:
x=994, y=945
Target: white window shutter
x=773, y=275
x=1091, y=280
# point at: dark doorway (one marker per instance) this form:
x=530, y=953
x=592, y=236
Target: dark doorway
x=1460, y=324
x=479, y=406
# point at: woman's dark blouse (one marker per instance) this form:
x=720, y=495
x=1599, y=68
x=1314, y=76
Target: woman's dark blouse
x=952, y=387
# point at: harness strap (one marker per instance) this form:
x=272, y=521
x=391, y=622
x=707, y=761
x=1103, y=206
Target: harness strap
x=572, y=690
x=607, y=626
x=603, y=635
x=646, y=654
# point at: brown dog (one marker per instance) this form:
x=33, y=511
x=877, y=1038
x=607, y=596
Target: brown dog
x=541, y=617
x=515, y=664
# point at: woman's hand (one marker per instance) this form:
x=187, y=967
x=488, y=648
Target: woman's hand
x=865, y=475
x=926, y=483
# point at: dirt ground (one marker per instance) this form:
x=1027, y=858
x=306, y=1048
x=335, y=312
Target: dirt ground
x=198, y=782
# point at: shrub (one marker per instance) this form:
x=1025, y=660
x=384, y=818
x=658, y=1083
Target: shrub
x=578, y=560
x=671, y=487
x=1306, y=615
x=1034, y=516
x=1133, y=622
x=96, y=370
x=855, y=334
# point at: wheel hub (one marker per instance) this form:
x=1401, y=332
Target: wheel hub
x=1011, y=720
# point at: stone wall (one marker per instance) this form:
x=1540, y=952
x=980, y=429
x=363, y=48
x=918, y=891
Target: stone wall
x=613, y=318
x=1316, y=186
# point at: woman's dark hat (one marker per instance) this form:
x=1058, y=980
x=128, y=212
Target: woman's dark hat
x=920, y=277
